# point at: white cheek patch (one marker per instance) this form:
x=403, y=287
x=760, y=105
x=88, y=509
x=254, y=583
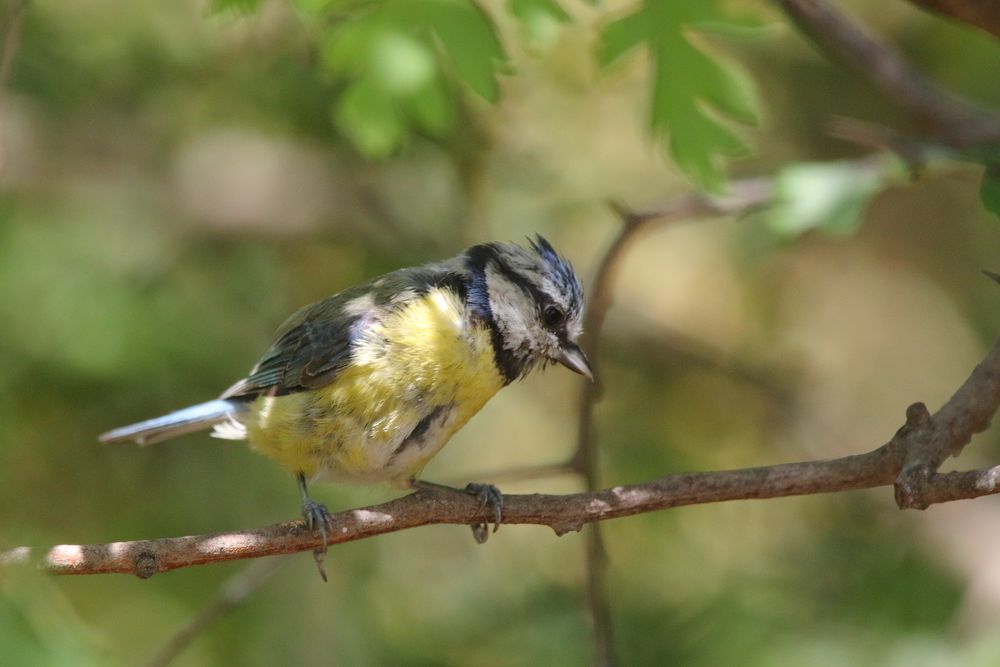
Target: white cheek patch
x=511, y=307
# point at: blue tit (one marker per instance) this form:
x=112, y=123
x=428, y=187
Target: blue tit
x=367, y=385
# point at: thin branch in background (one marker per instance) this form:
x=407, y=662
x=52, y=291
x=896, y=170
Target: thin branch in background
x=10, y=41
x=523, y=473
x=585, y=459
x=597, y=597
x=942, y=115
x=983, y=14
x=665, y=349
x=914, y=153
x=383, y=225
x=743, y=195
x=231, y=595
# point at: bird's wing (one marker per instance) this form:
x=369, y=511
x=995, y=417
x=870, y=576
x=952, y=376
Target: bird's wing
x=306, y=355
x=315, y=343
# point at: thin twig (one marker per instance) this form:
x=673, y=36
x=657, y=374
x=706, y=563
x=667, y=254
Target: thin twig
x=585, y=460
x=598, y=599
x=523, y=473
x=984, y=14
x=913, y=152
x=665, y=348
x=231, y=595
x=944, y=116
x=10, y=41
x=10, y=38
x=743, y=196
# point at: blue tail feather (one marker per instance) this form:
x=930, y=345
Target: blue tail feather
x=186, y=420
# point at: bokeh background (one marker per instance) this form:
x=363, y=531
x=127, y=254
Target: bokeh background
x=175, y=181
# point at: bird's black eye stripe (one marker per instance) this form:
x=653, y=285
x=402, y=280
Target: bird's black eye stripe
x=553, y=316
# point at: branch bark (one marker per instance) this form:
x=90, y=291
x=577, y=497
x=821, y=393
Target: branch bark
x=983, y=14
x=945, y=117
x=10, y=40
x=562, y=513
x=919, y=445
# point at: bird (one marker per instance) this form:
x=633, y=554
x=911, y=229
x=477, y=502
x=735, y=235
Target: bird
x=367, y=385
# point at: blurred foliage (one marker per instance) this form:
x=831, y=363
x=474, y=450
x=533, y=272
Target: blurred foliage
x=396, y=81
x=394, y=58
x=823, y=195
x=176, y=177
x=690, y=88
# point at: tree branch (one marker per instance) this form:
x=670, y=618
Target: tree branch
x=11, y=38
x=983, y=14
x=10, y=41
x=944, y=116
x=919, y=445
x=563, y=513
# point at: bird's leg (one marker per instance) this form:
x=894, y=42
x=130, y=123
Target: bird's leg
x=317, y=518
x=488, y=495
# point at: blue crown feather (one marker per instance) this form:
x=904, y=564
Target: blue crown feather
x=561, y=268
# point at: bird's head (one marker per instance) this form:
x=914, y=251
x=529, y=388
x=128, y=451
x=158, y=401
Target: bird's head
x=535, y=305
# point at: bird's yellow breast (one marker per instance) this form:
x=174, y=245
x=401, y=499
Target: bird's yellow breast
x=416, y=375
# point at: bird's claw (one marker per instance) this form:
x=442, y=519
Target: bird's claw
x=490, y=497
x=317, y=518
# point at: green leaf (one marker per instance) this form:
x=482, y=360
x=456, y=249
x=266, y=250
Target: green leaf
x=348, y=47
x=371, y=118
x=540, y=18
x=312, y=6
x=238, y=5
x=823, y=195
x=401, y=63
x=470, y=40
x=432, y=109
x=695, y=96
x=989, y=188
x=391, y=58
x=621, y=36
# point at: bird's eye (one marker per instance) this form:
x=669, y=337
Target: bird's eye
x=552, y=316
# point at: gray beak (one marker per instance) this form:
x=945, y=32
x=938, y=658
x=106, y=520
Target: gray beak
x=573, y=358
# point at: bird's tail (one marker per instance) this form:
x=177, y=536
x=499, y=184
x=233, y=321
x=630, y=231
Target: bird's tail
x=216, y=413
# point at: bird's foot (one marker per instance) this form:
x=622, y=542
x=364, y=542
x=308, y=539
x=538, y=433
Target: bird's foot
x=488, y=495
x=317, y=518
x=490, y=498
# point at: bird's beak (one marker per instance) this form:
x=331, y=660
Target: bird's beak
x=573, y=358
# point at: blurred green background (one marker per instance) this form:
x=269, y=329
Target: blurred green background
x=176, y=180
